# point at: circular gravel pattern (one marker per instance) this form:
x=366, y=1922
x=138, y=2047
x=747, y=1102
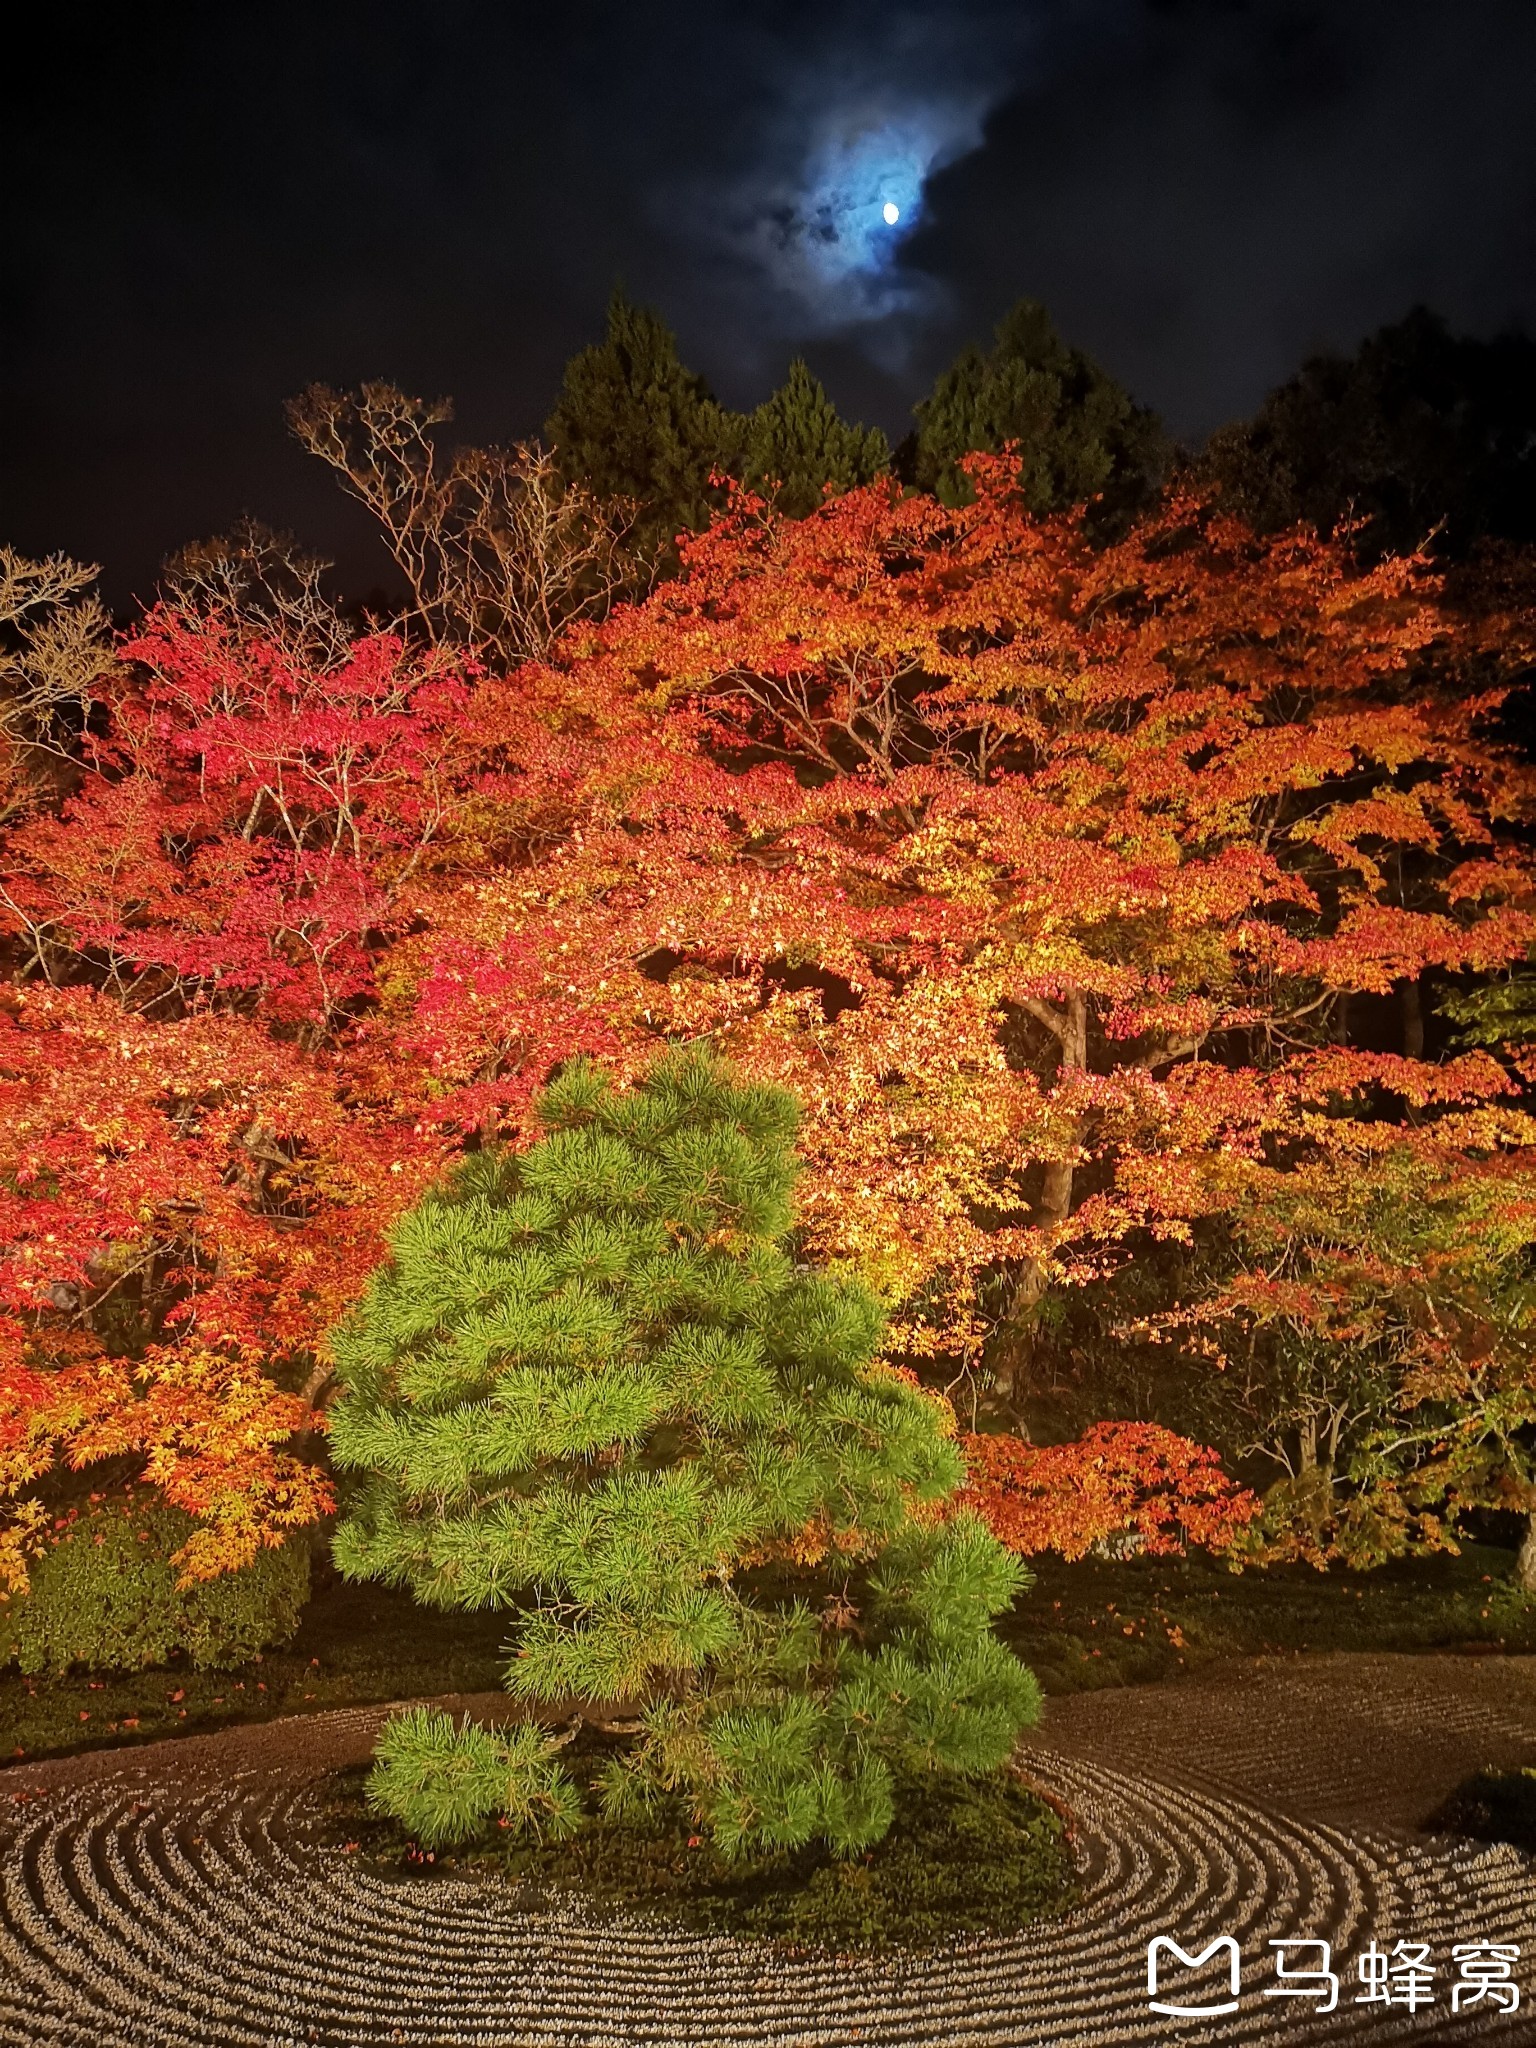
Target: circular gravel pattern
x=174, y=1895
x=1358, y=1741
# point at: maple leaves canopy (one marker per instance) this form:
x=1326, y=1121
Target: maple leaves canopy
x=1039, y=871
x=1042, y=872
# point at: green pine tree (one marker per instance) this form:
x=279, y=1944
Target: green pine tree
x=1079, y=434
x=796, y=444
x=591, y=1387
x=632, y=422
x=1420, y=435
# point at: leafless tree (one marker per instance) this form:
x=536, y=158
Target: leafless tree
x=499, y=553
x=55, y=647
x=263, y=581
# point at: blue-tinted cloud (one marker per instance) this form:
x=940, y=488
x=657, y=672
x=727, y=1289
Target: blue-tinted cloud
x=825, y=241
x=849, y=128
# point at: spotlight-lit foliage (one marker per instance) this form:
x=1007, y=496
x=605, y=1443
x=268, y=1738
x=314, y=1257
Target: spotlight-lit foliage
x=1043, y=872
x=186, y=1207
x=1122, y=1480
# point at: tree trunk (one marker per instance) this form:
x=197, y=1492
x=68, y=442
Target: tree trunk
x=1413, y=1021
x=1014, y=1346
x=1525, y=1561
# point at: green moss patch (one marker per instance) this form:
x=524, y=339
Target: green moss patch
x=965, y=1857
x=1133, y=1621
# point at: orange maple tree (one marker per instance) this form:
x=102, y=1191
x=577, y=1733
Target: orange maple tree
x=193, y=1181
x=1042, y=871
x=187, y=1207
x=1119, y=1480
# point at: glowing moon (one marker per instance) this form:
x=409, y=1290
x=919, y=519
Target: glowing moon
x=890, y=213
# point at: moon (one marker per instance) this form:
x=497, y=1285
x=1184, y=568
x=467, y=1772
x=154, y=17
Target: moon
x=890, y=213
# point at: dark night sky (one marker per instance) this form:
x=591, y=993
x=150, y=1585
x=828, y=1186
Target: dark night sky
x=206, y=209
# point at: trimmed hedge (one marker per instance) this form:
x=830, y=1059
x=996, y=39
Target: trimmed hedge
x=104, y=1595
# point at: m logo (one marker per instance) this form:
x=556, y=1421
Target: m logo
x=1192, y=2012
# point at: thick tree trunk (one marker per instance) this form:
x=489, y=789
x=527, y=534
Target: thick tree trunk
x=1014, y=1346
x=1525, y=1561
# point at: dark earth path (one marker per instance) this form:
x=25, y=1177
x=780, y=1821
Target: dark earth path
x=170, y=1896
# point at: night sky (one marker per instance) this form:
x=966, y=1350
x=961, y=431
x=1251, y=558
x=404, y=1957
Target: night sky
x=207, y=209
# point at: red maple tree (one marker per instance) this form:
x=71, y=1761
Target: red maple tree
x=1043, y=872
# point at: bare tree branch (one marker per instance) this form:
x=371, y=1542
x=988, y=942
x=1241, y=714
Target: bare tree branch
x=499, y=553
x=55, y=649
x=258, y=578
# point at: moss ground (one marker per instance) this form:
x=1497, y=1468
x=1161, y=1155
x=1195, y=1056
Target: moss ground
x=977, y=1858
x=1093, y=1623
x=1105, y=1622
x=355, y=1644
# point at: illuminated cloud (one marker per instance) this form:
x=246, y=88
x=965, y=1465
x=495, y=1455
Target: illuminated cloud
x=827, y=241
x=814, y=226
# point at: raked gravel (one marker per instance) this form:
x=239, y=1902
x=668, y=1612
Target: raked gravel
x=174, y=1897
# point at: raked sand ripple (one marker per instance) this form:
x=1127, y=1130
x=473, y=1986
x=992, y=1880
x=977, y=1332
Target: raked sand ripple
x=174, y=1896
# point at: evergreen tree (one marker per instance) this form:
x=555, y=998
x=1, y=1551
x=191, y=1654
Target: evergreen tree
x=1420, y=429
x=592, y=1388
x=1079, y=434
x=796, y=444
x=632, y=422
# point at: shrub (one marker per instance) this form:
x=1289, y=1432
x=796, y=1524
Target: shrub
x=1492, y=1806
x=104, y=1595
x=591, y=1384
x=444, y=1780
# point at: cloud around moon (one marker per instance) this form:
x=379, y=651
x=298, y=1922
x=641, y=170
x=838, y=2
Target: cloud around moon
x=813, y=224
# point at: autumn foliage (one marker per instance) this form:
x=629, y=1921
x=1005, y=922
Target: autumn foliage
x=1049, y=875
x=1121, y=1480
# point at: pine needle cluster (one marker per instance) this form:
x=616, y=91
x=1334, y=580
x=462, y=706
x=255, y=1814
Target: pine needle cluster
x=590, y=1386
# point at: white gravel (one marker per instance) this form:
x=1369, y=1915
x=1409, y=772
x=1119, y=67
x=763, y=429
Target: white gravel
x=169, y=1898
